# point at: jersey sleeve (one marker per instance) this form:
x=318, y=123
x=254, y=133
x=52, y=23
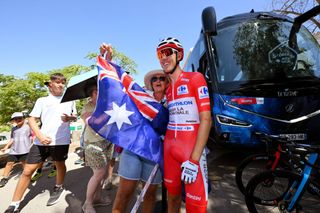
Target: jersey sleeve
x=201, y=92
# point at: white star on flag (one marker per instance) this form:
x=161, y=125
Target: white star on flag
x=119, y=115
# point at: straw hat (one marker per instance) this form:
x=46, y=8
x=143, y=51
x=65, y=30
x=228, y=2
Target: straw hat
x=149, y=75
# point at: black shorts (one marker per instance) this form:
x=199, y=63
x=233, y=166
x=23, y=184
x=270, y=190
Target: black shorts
x=39, y=154
x=16, y=158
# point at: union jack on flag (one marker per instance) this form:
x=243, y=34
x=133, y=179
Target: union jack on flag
x=126, y=115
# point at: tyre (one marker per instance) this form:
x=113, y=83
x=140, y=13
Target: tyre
x=251, y=166
x=265, y=193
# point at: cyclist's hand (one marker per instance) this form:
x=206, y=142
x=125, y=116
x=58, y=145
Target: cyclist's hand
x=189, y=171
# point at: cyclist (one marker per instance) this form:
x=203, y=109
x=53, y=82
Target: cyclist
x=187, y=131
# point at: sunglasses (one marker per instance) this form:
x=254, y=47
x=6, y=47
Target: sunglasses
x=165, y=52
x=155, y=79
x=17, y=119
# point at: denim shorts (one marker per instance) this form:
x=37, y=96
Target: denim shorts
x=134, y=167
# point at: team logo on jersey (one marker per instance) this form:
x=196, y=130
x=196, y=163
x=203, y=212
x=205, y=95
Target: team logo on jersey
x=182, y=90
x=203, y=92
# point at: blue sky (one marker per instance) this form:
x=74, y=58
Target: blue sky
x=38, y=36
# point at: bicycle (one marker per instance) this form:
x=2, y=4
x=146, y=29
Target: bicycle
x=285, y=191
x=276, y=156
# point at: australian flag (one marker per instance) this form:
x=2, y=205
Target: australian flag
x=125, y=114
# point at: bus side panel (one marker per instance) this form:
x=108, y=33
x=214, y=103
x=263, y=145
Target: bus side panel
x=232, y=133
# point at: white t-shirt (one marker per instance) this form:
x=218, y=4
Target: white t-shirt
x=49, y=110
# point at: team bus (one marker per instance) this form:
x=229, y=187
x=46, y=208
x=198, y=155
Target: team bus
x=262, y=71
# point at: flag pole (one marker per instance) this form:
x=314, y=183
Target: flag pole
x=144, y=190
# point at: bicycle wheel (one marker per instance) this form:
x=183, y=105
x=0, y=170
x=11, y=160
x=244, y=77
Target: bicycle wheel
x=251, y=166
x=265, y=193
x=265, y=190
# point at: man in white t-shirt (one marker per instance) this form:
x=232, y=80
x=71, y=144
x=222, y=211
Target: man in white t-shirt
x=52, y=139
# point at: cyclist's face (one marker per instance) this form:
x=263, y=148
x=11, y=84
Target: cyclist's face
x=168, y=61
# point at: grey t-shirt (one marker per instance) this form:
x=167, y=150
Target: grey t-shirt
x=21, y=140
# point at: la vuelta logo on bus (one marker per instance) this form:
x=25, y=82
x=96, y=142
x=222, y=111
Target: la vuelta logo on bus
x=247, y=100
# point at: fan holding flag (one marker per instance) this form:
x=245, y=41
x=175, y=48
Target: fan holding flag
x=131, y=118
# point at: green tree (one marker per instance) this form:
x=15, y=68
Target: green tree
x=6, y=79
x=20, y=94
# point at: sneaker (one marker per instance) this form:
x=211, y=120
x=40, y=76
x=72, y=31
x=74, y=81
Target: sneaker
x=52, y=173
x=3, y=182
x=36, y=176
x=55, y=195
x=11, y=209
x=79, y=161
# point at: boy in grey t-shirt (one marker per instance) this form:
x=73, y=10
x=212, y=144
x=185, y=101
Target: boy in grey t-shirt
x=19, y=145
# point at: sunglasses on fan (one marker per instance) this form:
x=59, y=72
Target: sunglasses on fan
x=155, y=79
x=165, y=52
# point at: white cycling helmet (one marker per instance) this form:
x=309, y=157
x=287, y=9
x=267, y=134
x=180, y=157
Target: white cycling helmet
x=171, y=42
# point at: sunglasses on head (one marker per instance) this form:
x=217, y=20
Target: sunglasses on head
x=155, y=79
x=165, y=52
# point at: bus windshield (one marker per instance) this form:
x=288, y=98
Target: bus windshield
x=258, y=53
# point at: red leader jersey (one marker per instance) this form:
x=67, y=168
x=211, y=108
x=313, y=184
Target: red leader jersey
x=186, y=98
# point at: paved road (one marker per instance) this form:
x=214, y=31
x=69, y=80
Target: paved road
x=225, y=197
